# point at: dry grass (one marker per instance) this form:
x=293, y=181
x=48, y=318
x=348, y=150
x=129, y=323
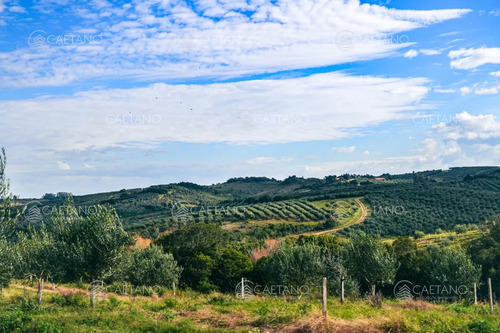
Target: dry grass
x=270, y=246
x=319, y=324
x=417, y=304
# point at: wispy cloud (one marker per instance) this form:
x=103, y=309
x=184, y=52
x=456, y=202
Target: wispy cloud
x=348, y=150
x=139, y=42
x=473, y=58
x=63, y=166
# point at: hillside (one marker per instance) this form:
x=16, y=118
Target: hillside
x=398, y=204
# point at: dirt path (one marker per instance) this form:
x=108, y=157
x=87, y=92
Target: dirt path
x=364, y=212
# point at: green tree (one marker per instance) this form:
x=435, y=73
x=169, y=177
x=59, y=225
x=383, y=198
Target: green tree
x=196, y=248
x=369, y=261
x=7, y=225
x=485, y=251
x=38, y=257
x=151, y=267
x=452, y=266
x=90, y=247
x=413, y=263
x=6, y=264
x=230, y=267
x=198, y=271
x=294, y=265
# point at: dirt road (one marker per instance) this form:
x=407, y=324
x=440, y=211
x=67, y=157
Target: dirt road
x=364, y=212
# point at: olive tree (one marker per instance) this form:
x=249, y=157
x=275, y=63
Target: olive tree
x=152, y=267
x=7, y=224
x=452, y=266
x=369, y=261
x=38, y=256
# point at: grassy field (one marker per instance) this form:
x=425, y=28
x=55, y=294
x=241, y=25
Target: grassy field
x=67, y=309
x=347, y=209
x=443, y=239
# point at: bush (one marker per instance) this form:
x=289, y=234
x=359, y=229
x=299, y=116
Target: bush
x=14, y=321
x=481, y=326
x=152, y=267
x=419, y=234
x=113, y=302
x=170, y=303
x=45, y=327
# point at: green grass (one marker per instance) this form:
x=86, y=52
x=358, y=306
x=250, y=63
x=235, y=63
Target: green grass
x=193, y=312
x=441, y=239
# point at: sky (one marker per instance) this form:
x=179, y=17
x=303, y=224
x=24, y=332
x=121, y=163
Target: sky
x=99, y=95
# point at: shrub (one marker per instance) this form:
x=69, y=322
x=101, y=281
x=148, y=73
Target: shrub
x=481, y=326
x=113, y=302
x=419, y=234
x=170, y=303
x=14, y=321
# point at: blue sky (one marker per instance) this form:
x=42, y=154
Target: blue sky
x=103, y=95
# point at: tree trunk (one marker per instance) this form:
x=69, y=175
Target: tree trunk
x=1, y=290
x=373, y=290
x=39, y=291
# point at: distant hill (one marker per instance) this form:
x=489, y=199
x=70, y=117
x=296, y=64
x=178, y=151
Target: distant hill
x=400, y=204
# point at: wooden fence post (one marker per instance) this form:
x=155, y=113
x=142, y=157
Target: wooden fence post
x=242, y=287
x=324, y=297
x=173, y=287
x=490, y=294
x=475, y=294
x=342, y=290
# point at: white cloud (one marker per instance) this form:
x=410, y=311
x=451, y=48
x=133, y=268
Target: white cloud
x=495, y=73
x=348, y=150
x=486, y=91
x=469, y=127
x=465, y=143
x=366, y=153
x=17, y=9
x=465, y=91
x=63, y=166
x=451, y=33
x=495, y=12
x=411, y=54
x=318, y=107
x=473, y=58
x=140, y=43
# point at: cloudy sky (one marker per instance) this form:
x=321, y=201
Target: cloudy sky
x=102, y=95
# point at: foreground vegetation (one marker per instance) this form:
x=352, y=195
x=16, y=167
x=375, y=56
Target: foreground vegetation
x=280, y=279
x=68, y=309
